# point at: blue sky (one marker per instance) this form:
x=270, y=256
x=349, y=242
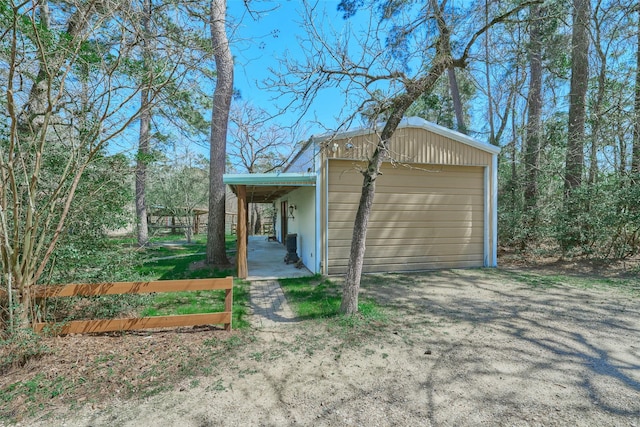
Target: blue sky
x=258, y=44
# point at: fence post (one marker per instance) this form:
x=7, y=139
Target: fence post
x=228, y=304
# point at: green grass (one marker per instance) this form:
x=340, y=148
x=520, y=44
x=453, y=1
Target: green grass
x=175, y=245
x=174, y=261
x=240, y=304
x=311, y=297
x=35, y=389
x=198, y=302
x=192, y=302
x=175, y=250
x=317, y=298
x=181, y=267
x=317, y=301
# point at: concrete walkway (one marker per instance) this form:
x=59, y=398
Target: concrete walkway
x=268, y=305
x=266, y=264
x=266, y=261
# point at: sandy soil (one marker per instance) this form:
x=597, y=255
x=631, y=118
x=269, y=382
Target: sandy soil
x=466, y=347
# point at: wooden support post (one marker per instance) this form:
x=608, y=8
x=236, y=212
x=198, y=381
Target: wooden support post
x=241, y=259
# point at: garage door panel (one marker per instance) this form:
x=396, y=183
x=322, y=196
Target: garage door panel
x=442, y=183
x=397, y=265
x=462, y=206
x=350, y=170
x=411, y=251
x=338, y=198
x=337, y=236
x=345, y=241
x=441, y=229
x=435, y=180
x=345, y=200
x=420, y=219
x=410, y=191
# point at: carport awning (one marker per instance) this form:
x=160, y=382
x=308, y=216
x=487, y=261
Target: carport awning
x=267, y=187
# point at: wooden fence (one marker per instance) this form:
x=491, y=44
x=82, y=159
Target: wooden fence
x=110, y=325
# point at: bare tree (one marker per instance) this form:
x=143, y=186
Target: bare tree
x=178, y=186
x=33, y=210
x=383, y=84
x=255, y=145
x=457, y=101
x=216, y=251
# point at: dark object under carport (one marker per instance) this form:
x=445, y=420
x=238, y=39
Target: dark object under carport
x=291, y=242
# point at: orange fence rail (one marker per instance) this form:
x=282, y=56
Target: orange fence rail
x=111, y=325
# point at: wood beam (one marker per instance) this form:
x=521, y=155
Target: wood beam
x=241, y=258
x=117, y=288
x=111, y=325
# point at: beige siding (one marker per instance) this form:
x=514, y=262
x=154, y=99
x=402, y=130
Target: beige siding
x=423, y=217
x=411, y=145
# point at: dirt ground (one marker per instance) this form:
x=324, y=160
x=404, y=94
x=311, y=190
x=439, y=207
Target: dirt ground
x=461, y=347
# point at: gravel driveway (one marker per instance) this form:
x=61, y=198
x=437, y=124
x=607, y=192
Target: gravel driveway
x=462, y=347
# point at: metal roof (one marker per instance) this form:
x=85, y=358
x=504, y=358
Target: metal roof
x=267, y=187
x=415, y=122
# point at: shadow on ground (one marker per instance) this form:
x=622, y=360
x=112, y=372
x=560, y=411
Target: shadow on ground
x=519, y=331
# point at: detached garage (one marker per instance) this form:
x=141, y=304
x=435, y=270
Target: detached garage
x=435, y=203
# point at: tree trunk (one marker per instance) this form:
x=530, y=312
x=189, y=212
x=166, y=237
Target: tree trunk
x=457, y=102
x=514, y=146
x=397, y=108
x=534, y=116
x=145, y=133
x=216, y=251
x=349, y=304
x=252, y=219
x=577, y=111
x=32, y=115
x=578, y=90
x=492, y=131
x=141, y=169
x=598, y=112
x=32, y=119
x=257, y=225
x=400, y=104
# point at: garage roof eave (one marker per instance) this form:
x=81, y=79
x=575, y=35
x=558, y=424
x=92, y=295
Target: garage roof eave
x=418, y=122
x=268, y=187
x=267, y=179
